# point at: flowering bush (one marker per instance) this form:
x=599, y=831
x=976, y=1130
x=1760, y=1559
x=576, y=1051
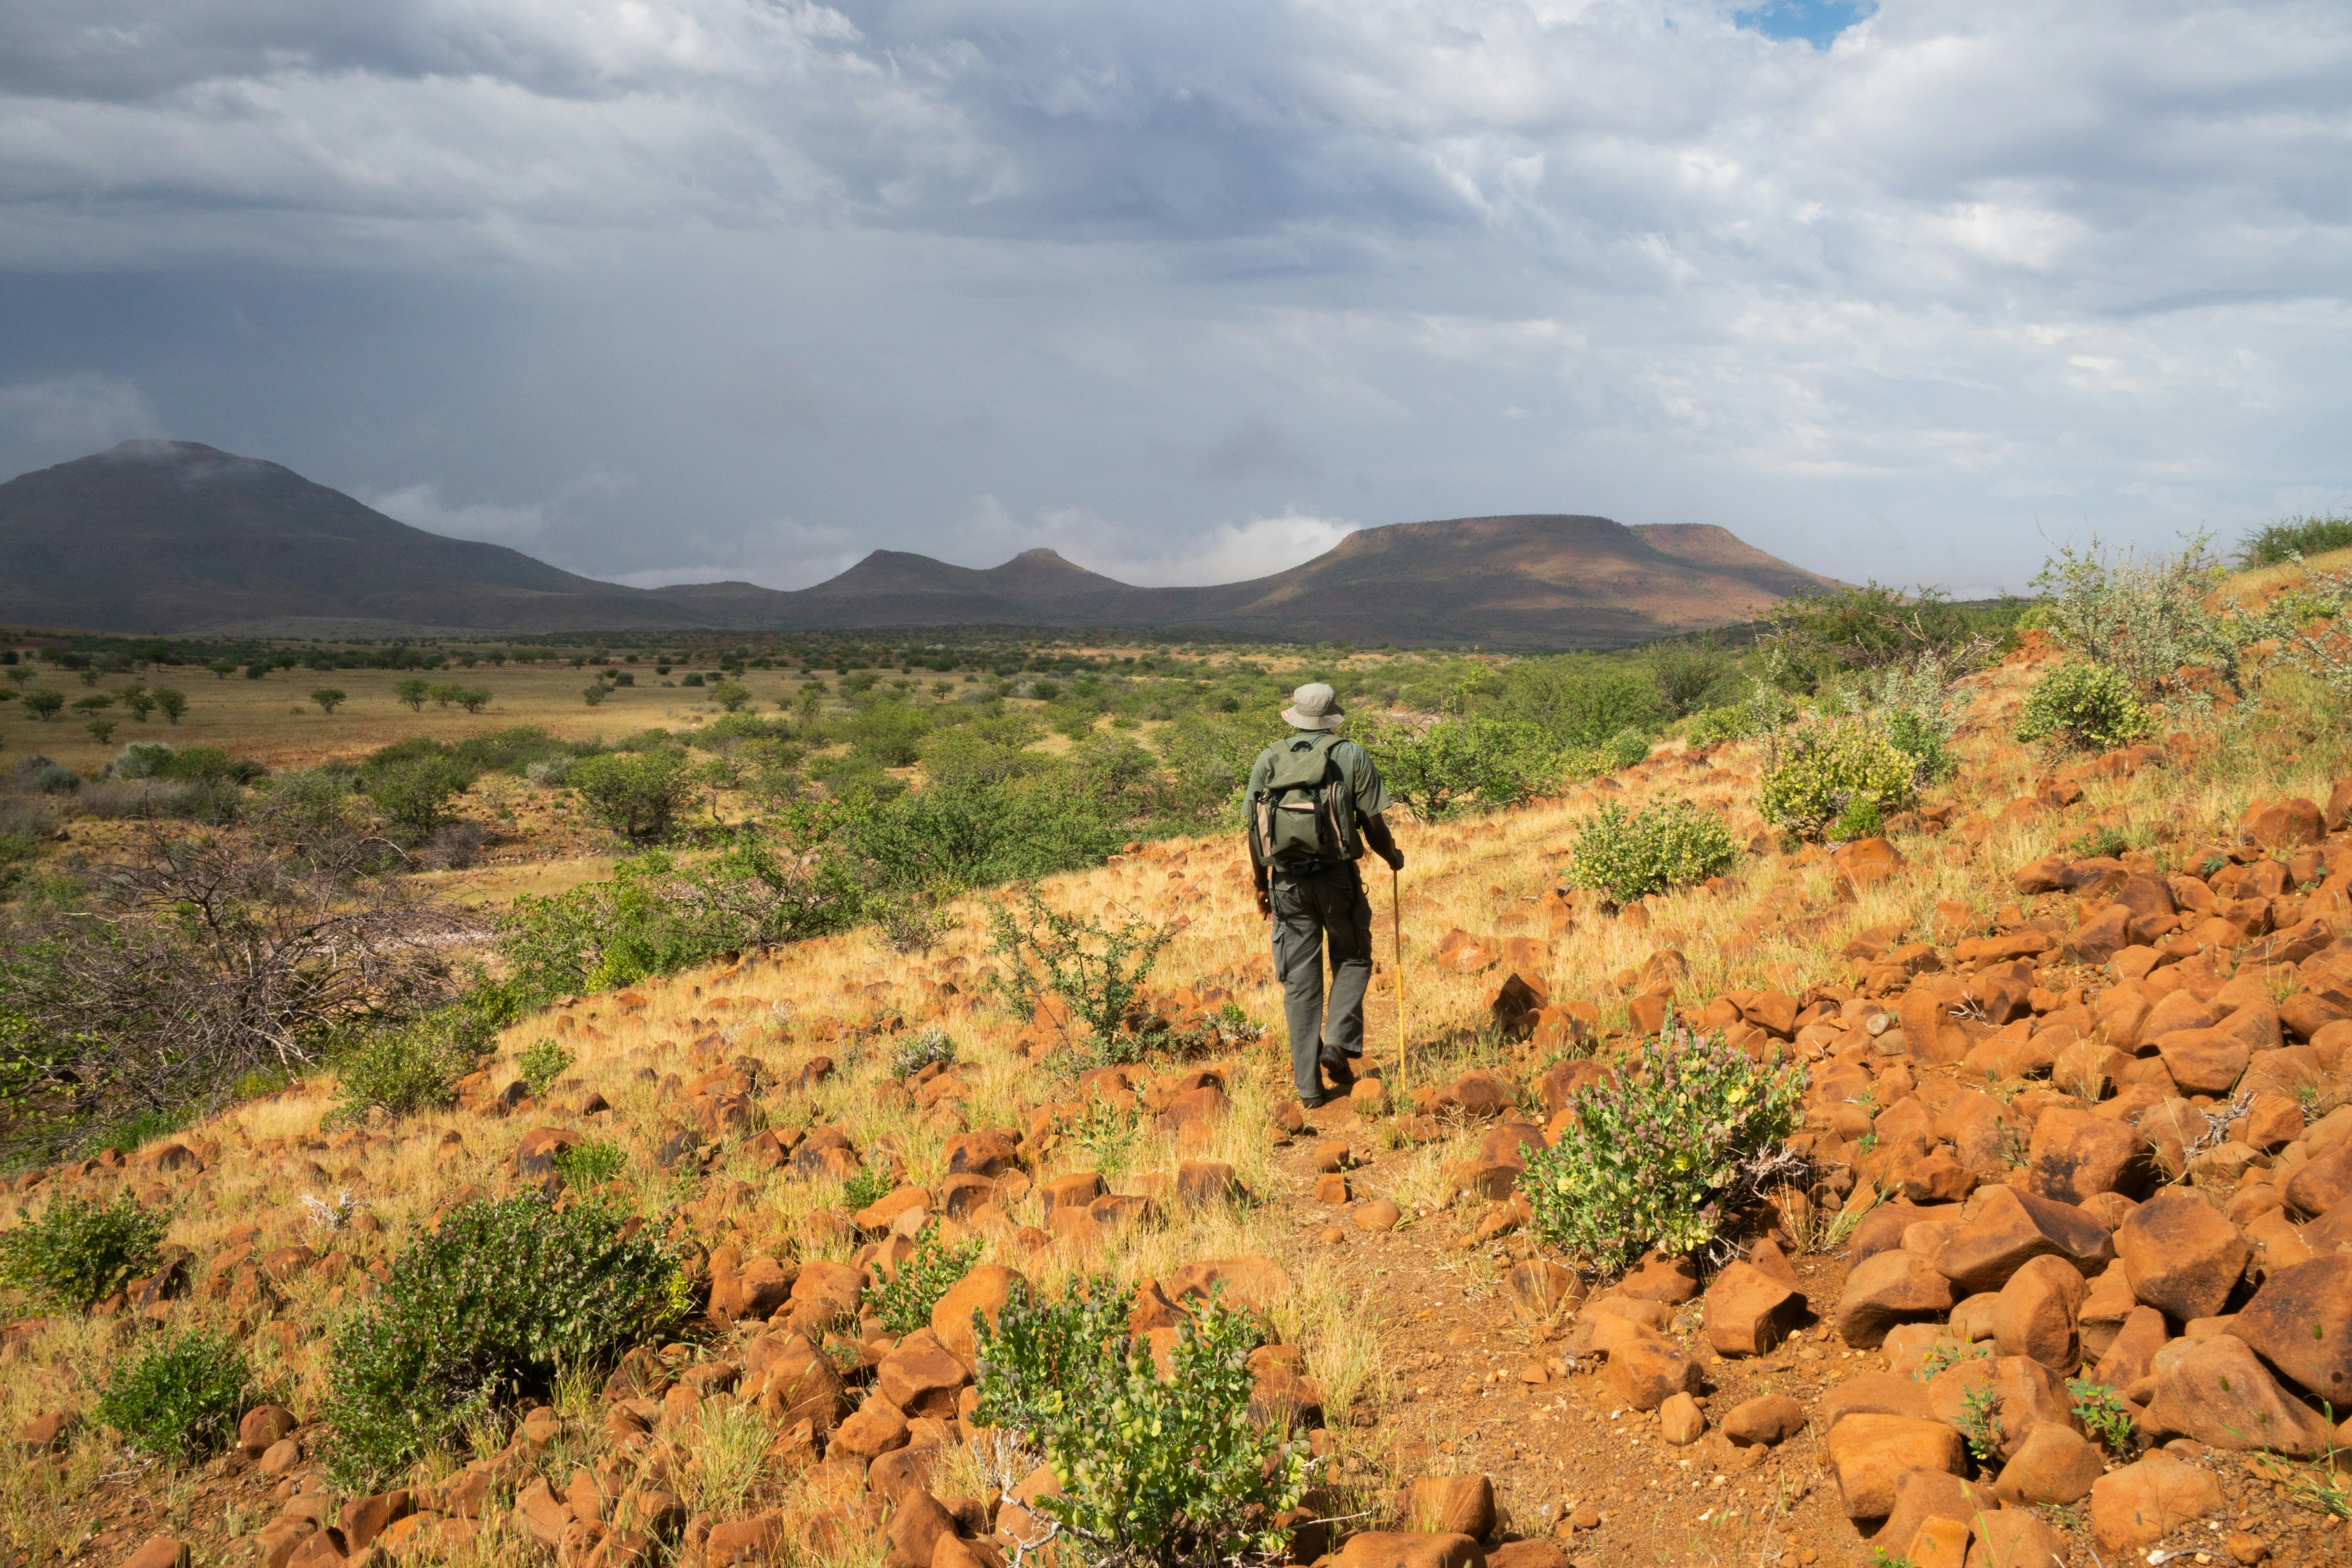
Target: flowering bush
x=1651, y=1152
x=2083, y=705
x=1664, y=845
x=1822, y=768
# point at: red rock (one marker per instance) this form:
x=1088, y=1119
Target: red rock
x=1203, y=1183
x=47, y=1433
x=2054, y=1465
x=2141, y=1504
x=2301, y=1323
x=542, y=1513
x=1655, y=1276
x=2034, y=1316
x=1538, y=1288
x=982, y=1293
x=2180, y=1256
x=763, y=1537
x=2014, y=1538
x=1868, y=1452
x=1408, y=1548
x=1451, y=1505
x=2278, y=824
x=2009, y=1226
x=877, y=1428
x=2204, y=1061
x=161, y=1552
x=263, y=1424
x=1749, y=1311
x=754, y=1290
x=2321, y=1185
x=1645, y=1374
x=365, y=1518
x=1931, y=1497
x=2132, y=1352
x=917, y=1525
x=1892, y=1288
x=921, y=1377
x=2025, y=1394
x=2218, y=1393
x=1769, y=1419
x=2075, y=1154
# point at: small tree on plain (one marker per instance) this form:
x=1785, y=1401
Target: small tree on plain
x=173, y=703
x=328, y=697
x=445, y=692
x=222, y=668
x=139, y=701
x=44, y=705
x=412, y=693
x=731, y=697
x=100, y=730
x=473, y=699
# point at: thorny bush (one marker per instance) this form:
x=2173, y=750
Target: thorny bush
x=1094, y=968
x=2149, y=619
x=196, y=962
x=491, y=1307
x=1824, y=767
x=1652, y=1154
x=1158, y=1472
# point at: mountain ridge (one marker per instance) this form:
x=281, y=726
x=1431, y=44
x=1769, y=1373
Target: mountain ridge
x=171, y=536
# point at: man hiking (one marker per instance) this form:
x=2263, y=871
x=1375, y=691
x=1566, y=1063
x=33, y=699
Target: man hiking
x=1315, y=803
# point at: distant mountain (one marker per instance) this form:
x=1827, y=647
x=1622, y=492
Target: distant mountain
x=171, y=536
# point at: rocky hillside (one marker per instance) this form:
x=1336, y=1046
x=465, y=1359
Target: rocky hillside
x=2057, y=1269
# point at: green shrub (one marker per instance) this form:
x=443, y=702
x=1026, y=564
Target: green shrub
x=79, y=1251
x=1669, y=845
x=2294, y=537
x=181, y=1397
x=1096, y=969
x=542, y=1063
x=869, y=1184
x=1823, y=767
x=932, y=1045
x=2103, y=1414
x=413, y=791
x=590, y=1164
x=904, y=1303
x=638, y=796
x=1152, y=1472
x=487, y=1310
x=2084, y=706
x=1436, y=770
x=655, y=917
x=1652, y=1153
x=1710, y=725
x=410, y=1067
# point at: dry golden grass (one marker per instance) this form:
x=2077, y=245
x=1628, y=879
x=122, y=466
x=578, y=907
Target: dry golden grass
x=1782, y=926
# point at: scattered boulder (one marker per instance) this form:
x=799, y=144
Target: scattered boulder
x=2215, y=1390
x=2180, y=1256
x=1749, y=1312
x=1897, y=1286
x=1868, y=1453
x=1767, y=1420
x=2142, y=1503
x=2301, y=1323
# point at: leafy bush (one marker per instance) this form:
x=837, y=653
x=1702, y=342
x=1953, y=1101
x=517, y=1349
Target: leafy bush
x=913, y=1054
x=1152, y=1472
x=590, y=1164
x=655, y=917
x=415, y=1066
x=181, y=1397
x=1668, y=844
x=2294, y=537
x=79, y=1251
x=869, y=1184
x=413, y=791
x=905, y=1302
x=141, y=760
x=1651, y=1152
x=2103, y=1414
x=1821, y=767
x=1435, y=770
x=1817, y=639
x=542, y=1063
x=487, y=1310
x=210, y=765
x=2085, y=706
x=638, y=796
x=1097, y=970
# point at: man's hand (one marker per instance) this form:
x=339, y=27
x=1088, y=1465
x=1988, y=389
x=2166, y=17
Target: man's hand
x=1394, y=856
x=1265, y=904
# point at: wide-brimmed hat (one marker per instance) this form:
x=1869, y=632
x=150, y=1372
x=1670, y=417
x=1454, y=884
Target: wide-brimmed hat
x=1314, y=706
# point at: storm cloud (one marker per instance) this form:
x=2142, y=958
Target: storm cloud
x=669, y=290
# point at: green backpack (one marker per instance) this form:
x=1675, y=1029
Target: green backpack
x=1302, y=817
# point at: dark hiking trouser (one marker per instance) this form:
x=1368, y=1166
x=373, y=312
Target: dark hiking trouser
x=1308, y=909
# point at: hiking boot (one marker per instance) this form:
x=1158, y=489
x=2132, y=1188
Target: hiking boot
x=1317, y=1101
x=1337, y=1067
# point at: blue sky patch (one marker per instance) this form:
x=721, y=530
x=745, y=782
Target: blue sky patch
x=1818, y=22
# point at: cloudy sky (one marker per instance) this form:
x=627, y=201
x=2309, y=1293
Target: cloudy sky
x=674, y=290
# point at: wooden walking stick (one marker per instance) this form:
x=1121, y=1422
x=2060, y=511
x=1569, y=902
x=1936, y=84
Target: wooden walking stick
x=1396, y=908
